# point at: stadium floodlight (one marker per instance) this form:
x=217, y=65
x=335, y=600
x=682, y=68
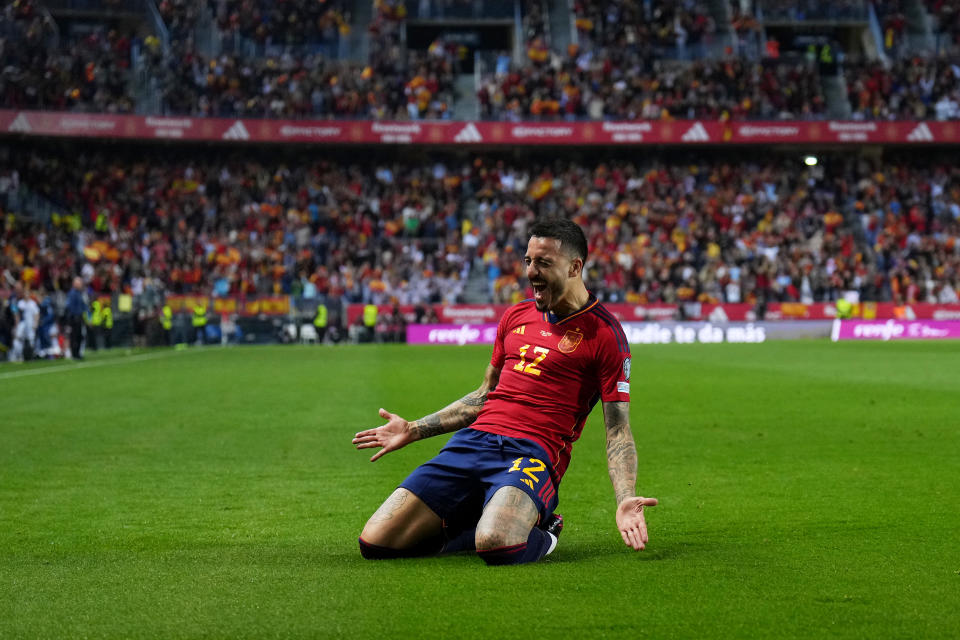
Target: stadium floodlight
x=810, y=161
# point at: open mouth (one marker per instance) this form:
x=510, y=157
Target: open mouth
x=539, y=288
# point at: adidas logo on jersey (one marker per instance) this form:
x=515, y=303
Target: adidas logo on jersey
x=520, y=329
x=468, y=134
x=20, y=124
x=696, y=133
x=237, y=132
x=920, y=133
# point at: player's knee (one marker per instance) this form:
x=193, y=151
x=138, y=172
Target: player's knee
x=502, y=555
x=376, y=552
x=375, y=534
x=492, y=539
x=428, y=547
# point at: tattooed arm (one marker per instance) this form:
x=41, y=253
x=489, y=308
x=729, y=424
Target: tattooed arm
x=398, y=432
x=622, y=463
x=459, y=414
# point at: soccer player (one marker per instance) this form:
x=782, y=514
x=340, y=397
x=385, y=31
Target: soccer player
x=493, y=487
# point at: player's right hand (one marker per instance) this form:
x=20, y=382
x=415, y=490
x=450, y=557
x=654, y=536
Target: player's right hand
x=631, y=523
x=390, y=437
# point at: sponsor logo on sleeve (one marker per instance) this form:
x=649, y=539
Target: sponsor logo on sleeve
x=626, y=369
x=623, y=387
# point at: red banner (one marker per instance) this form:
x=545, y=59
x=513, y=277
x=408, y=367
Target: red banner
x=490, y=313
x=269, y=306
x=638, y=132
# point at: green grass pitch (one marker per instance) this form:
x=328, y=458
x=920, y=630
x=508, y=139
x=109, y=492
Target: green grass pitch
x=807, y=489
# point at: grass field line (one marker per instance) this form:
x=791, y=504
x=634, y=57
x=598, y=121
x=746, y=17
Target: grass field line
x=88, y=365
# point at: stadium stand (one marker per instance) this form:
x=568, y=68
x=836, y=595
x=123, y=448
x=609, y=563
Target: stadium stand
x=727, y=89
x=43, y=71
x=911, y=88
x=292, y=22
x=712, y=229
x=240, y=226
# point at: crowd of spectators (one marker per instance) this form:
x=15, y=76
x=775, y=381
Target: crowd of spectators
x=263, y=22
x=393, y=84
x=621, y=86
x=738, y=231
x=726, y=231
x=288, y=86
x=711, y=229
x=617, y=70
x=893, y=20
x=800, y=10
x=40, y=70
x=614, y=72
x=289, y=22
x=241, y=226
x=910, y=88
x=946, y=23
x=658, y=25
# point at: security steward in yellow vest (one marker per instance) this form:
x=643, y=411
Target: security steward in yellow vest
x=199, y=322
x=166, y=323
x=369, y=321
x=320, y=322
x=94, y=324
x=844, y=309
x=107, y=315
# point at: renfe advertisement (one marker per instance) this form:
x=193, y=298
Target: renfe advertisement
x=895, y=330
x=451, y=334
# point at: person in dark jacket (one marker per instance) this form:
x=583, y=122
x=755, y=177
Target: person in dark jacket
x=76, y=311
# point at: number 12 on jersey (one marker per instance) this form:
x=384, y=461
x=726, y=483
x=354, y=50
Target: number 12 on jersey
x=531, y=367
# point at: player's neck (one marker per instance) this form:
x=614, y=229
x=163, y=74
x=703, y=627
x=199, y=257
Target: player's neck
x=573, y=300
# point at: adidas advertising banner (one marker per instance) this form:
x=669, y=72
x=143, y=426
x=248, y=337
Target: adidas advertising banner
x=583, y=133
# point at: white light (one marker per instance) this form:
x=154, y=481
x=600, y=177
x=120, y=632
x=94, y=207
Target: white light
x=810, y=161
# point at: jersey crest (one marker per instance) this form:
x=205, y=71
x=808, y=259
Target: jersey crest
x=570, y=341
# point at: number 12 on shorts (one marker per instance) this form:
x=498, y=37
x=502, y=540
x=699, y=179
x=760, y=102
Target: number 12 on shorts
x=534, y=467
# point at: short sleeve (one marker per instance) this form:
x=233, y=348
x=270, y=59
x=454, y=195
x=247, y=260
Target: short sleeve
x=613, y=355
x=499, y=353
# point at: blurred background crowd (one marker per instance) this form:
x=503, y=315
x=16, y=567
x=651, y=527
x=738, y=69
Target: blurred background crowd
x=441, y=227
x=614, y=59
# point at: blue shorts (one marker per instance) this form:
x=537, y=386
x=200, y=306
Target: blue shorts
x=462, y=478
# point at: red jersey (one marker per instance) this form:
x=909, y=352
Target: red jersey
x=552, y=373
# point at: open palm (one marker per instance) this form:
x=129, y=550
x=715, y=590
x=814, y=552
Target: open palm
x=631, y=523
x=390, y=437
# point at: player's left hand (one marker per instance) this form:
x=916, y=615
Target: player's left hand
x=631, y=523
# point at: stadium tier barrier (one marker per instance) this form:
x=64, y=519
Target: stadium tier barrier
x=477, y=133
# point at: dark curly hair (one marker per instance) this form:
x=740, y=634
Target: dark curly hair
x=569, y=233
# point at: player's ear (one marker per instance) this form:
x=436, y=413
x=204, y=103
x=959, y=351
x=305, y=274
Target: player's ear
x=576, y=267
